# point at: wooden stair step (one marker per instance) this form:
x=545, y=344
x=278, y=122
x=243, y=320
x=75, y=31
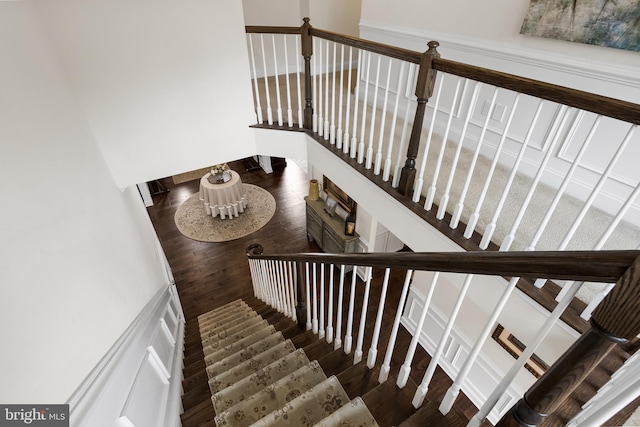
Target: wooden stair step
x=389, y=404
x=428, y=415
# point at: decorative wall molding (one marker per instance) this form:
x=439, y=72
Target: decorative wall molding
x=412, y=38
x=150, y=351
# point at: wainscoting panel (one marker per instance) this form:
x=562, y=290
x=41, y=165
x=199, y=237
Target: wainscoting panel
x=139, y=381
x=483, y=377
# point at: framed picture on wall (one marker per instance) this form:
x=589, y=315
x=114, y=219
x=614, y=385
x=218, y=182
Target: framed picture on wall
x=340, y=197
x=331, y=204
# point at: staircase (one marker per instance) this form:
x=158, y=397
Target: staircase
x=263, y=370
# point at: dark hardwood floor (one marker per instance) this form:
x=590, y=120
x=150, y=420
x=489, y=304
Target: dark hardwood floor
x=209, y=275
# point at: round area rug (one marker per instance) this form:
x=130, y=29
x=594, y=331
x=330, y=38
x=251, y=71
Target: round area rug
x=193, y=222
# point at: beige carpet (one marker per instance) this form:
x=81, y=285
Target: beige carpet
x=258, y=378
x=193, y=222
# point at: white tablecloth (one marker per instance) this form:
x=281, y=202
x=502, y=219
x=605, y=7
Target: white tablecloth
x=226, y=200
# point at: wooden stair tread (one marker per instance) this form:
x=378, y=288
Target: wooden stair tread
x=389, y=404
x=429, y=416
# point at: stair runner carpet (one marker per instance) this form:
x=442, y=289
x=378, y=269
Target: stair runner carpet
x=258, y=378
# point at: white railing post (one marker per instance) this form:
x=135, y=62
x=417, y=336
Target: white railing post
x=442, y=209
x=288, y=83
x=346, y=139
x=363, y=126
x=255, y=80
x=332, y=124
x=356, y=97
x=339, y=130
x=403, y=376
x=386, y=364
x=501, y=388
x=457, y=212
x=421, y=392
x=378, y=162
x=431, y=192
x=330, y=306
x=321, y=324
x=314, y=322
x=266, y=83
x=386, y=171
x=348, y=339
x=308, y=297
x=357, y=355
x=337, y=343
x=373, y=350
x=277, y=79
x=374, y=110
x=489, y=229
x=473, y=219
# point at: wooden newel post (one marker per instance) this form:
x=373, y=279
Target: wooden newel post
x=615, y=321
x=307, y=52
x=424, y=90
x=301, y=308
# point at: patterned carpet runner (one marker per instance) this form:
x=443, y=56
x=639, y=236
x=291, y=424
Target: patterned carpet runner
x=260, y=379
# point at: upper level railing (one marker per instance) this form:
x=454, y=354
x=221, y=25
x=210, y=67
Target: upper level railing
x=504, y=161
x=314, y=289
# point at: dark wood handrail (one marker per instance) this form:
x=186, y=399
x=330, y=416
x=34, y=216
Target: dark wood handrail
x=597, y=266
x=265, y=29
x=375, y=47
x=621, y=110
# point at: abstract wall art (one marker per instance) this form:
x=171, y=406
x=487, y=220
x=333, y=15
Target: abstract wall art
x=610, y=23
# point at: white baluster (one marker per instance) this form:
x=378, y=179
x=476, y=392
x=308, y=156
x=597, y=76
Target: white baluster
x=346, y=140
x=277, y=79
x=378, y=163
x=267, y=95
x=417, y=192
x=405, y=369
x=348, y=339
x=276, y=285
x=454, y=390
x=308, y=297
x=337, y=343
x=421, y=392
x=457, y=212
x=473, y=219
x=292, y=291
x=314, y=322
x=364, y=110
x=386, y=171
x=431, y=192
x=332, y=125
x=282, y=288
x=600, y=296
x=320, y=90
x=357, y=356
x=356, y=96
x=373, y=350
x=374, y=110
x=506, y=243
x=326, y=95
x=560, y=192
x=338, y=132
x=286, y=73
x=287, y=288
x=256, y=90
x=315, y=89
x=330, y=307
x=269, y=283
x=299, y=87
x=321, y=329
x=405, y=126
x=488, y=232
x=502, y=387
x=386, y=364
x=442, y=209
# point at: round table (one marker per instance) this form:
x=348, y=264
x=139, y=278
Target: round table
x=226, y=199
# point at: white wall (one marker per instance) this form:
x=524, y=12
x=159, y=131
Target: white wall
x=164, y=85
x=487, y=34
x=77, y=255
x=341, y=16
